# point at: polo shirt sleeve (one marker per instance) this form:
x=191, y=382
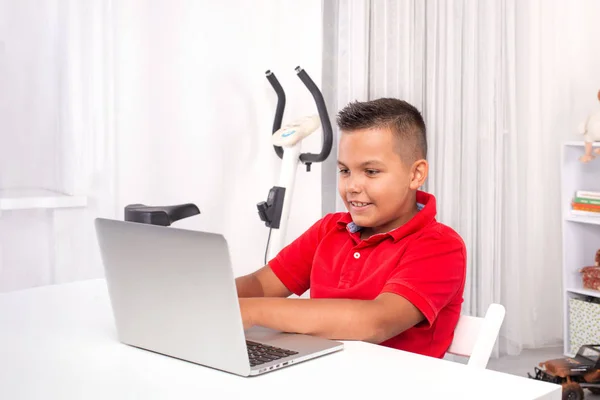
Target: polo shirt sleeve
x=430, y=273
x=293, y=264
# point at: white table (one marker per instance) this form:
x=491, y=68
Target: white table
x=59, y=342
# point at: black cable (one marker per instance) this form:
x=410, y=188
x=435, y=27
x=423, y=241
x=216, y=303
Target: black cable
x=267, y=248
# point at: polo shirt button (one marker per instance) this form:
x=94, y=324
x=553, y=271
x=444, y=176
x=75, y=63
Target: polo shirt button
x=357, y=255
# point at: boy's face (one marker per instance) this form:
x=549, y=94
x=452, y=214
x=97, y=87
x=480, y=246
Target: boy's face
x=377, y=187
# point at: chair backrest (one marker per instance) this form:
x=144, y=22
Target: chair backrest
x=475, y=337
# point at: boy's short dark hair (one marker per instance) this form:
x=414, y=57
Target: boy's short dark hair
x=402, y=118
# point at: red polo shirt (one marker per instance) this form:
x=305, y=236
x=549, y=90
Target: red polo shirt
x=423, y=261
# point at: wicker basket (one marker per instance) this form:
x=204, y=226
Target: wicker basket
x=584, y=323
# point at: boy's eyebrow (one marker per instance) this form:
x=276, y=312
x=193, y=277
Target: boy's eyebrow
x=364, y=164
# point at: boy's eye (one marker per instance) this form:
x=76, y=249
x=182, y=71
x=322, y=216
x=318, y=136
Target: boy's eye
x=371, y=172
x=343, y=171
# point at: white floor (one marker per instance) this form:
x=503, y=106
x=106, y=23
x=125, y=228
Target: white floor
x=526, y=361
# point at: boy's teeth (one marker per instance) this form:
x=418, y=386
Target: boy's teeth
x=355, y=204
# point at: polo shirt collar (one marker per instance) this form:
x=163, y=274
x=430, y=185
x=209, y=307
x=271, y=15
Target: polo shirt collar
x=426, y=215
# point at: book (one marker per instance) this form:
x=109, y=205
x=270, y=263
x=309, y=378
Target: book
x=587, y=194
x=585, y=207
x=585, y=213
x=585, y=200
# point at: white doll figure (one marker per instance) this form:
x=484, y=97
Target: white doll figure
x=590, y=129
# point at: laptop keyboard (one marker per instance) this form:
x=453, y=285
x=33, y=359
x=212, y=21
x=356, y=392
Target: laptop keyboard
x=259, y=353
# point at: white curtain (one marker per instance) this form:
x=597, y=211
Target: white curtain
x=156, y=102
x=57, y=132
x=498, y=88
x=87, y=134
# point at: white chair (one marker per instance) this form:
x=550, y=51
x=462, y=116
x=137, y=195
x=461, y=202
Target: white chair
x=475, y=337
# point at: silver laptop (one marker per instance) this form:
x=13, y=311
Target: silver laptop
x=173, y=292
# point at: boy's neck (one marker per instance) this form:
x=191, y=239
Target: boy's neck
x=366, y=232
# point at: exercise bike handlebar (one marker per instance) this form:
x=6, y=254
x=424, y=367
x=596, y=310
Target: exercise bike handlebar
x=325, y=123
x=280, y=107
x=306, y=158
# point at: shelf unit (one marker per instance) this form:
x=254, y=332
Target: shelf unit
x=39, y=266
x=33, y=198
x=581, y=233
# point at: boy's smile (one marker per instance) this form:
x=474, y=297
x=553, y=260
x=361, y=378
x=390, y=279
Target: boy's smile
x=358, y=207
x=377, y=187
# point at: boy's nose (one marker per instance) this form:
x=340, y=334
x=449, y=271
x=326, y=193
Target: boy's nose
x=352, y=186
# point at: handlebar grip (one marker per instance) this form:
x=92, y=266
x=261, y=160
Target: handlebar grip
x=280, y=106
x=323, y=115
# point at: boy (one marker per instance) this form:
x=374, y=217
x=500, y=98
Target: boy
x=386, y=272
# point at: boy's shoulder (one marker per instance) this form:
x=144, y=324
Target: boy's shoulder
x=441, y=242
x=437, y=232
x=440, y=229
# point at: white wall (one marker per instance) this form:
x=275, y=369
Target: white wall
x=195, y=111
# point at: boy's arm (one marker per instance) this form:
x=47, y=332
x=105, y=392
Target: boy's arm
x=372, y=321
x=429, y=276
x=262, y=283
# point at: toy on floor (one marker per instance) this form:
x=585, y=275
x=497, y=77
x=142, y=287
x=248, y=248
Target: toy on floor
x=573, y=373
x=590, y=129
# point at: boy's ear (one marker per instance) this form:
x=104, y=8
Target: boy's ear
x=418, y=174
